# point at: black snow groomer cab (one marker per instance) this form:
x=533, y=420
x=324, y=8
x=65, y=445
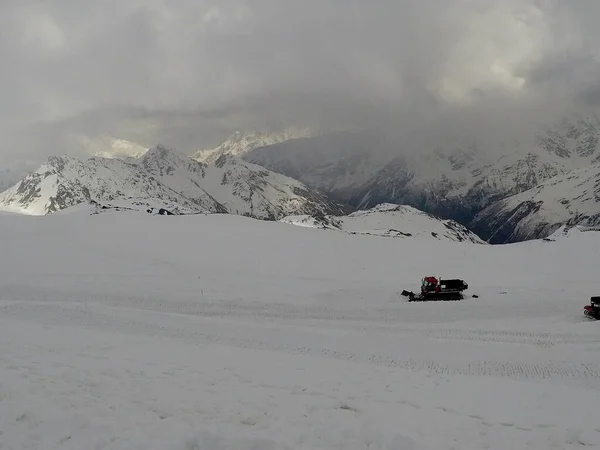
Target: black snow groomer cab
x=593, y=309
x=437, y=289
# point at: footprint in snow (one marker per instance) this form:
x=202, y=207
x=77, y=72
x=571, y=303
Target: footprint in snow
x=402, y=443
x=346, y=407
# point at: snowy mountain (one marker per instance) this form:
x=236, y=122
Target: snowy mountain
x=449, y=176
x=458, y=181
x=65, y=181
x=570, y=231
x=576, y=137
x=241, y=143
x=569, y=199
x=120, y=148
x=110, y=147
x=336, y=163
x=390, y=220
x=165, y=176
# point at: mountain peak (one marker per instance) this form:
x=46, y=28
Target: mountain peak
x=240, y=143
x=161, y=151
x=166, y=160
x=56, y=164
x=111, y=148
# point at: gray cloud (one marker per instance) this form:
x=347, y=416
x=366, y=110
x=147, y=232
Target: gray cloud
x=189, y=72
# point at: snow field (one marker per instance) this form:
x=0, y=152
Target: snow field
x=129, y=331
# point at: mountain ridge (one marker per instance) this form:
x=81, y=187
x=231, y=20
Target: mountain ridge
x=240, y=143
x=230, y=185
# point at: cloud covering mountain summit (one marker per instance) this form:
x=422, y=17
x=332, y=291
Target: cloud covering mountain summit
x=189, y=73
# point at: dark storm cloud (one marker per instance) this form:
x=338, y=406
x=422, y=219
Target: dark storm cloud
x=189, y=72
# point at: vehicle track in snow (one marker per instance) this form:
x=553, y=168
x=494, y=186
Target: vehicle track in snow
x=545, y=340
x=296, y=342
x=368, y=320
x=381, y=319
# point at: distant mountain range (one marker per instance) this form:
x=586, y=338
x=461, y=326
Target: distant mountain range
x=163, y=176
x=505, y=192
x=502, y=191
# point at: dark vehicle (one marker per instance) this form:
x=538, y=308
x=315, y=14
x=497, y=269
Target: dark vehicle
x=437, y=289
x=593, y=309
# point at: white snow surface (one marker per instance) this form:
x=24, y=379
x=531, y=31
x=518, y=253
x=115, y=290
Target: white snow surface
x=390, y=220
x=566, y=231
x=125, y=330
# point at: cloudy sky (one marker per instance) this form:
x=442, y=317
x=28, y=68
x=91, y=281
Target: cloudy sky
x=187, y=73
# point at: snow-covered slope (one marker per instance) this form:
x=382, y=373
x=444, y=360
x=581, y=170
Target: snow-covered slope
x=241, y=143
x=163, y=175
x=568, y=231
x=240, y=187
x=254, y=191
x=569, y=199
x=390, y=221
x=126, y=331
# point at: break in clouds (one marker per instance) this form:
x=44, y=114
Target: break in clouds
x=187, y=73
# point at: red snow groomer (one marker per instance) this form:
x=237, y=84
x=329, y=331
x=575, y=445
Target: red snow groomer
x=593, y=309
x=437, y=289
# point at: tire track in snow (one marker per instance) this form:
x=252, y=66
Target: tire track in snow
x=375, y=320
x=373, y=317
x=545, y=340
x=382, y=319
x=54, y=314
